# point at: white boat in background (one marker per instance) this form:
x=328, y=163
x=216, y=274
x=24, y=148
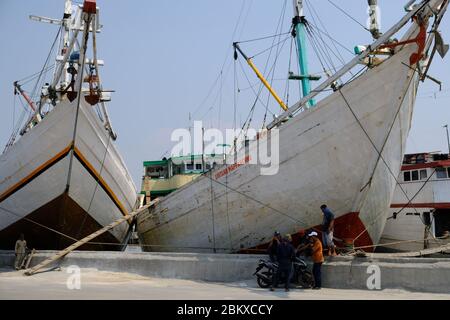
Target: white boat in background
x=64, y=177
x=346, y=151
x=419, y=217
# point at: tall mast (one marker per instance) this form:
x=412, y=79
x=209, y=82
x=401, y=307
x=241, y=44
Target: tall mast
x=425, y=9
x=299, y=32
x=374, y=23
x=66, y=28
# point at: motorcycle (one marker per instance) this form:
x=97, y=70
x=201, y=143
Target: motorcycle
x=301, y=275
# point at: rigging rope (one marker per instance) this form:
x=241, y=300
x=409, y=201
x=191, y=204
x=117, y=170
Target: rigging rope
x=97, y=183
x=316, y=50
x=300, y=222
x=32, y=77
x=334, y=41
x=379, y=152
x=235, y=98
x=321, y=48
x=36, y=223
x=348, y=15
x=257, y=99
x=224, y=64
x=436, y=239
x=417, y=193
x=227, y=208
x=264, y=38
x=250, y=117
x=33, y=92
x=82, y=64
x=277, y=54
x=286, y=93
x=270, y=48
x=257, y=94
x=220, y=101
x=401, y=242
x=19, y=124
x=261, y=203
x=212, y=214
x=325, y=32
x=338, y=57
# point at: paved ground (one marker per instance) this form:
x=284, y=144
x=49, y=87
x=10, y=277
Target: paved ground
x=109, y=285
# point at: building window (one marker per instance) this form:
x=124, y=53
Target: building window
x=415, y=175
x=448, y=169
x=406, y=176
x=198, y=166
x=441, y=173
x=189, y=166
x=423, y=174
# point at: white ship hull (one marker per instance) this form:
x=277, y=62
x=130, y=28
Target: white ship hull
x=71, y=184
x=325, y=157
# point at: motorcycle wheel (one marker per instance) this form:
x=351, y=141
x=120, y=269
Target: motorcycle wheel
x=306, y=280
x=264, y=283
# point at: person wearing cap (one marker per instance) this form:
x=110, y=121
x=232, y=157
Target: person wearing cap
x=317, y=257
x=285, y=256
x=273, y=246
x=327, y=230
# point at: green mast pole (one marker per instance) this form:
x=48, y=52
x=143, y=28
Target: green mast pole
x=300, y=35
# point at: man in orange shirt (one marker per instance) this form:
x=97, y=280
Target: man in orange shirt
x=317, y=257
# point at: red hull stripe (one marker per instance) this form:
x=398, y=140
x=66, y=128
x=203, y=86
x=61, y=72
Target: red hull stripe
x=435, y=164
x=346, y=228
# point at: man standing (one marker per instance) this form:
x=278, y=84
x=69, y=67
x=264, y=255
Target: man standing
x=273, y=246
x=20, y=251
x=285, y=255
x=317, y=257
x=327, y=230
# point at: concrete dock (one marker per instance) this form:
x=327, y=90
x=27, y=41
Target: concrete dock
x=119, y=275
x=105, y=285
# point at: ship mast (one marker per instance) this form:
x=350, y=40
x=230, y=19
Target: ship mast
x=425, y=9
x=66, y=29
x=373, y=14
x=299, y=33
x=65, y=79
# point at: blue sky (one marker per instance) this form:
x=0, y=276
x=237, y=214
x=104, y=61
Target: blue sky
x=163, y=57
